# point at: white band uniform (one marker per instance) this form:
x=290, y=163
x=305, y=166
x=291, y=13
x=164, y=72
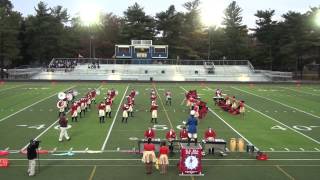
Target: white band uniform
x=154, y=114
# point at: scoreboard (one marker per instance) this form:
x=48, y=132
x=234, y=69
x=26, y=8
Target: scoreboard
x=141, y=49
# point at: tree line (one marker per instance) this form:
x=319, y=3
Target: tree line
x=285, y=45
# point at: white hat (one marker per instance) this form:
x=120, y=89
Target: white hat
x=192, y=112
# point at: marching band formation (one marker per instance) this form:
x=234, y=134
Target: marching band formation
x=197, y=109
x=229, y=104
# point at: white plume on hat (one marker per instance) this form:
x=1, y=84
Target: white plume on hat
x=192, y=112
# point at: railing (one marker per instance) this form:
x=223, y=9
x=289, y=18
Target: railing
x=23, y=73
x=154, y=61
x=276, y=75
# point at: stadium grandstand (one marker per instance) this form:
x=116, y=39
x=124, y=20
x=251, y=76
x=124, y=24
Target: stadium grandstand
x=142, y=61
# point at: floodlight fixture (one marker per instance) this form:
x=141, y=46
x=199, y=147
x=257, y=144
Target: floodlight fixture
x=212, y=12
x=89, y=14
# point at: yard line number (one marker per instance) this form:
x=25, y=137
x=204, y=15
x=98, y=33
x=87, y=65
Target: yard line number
x=297, y=127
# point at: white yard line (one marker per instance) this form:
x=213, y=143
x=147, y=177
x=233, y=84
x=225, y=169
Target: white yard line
x=165, y=111
x=1, y=90
x=114, y=119
x=283, y=124
x=303, y=92
x=276, y=102
x=227, y=124
x=47, y=129
x=30, y=106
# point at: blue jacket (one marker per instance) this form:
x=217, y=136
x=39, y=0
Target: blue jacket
x=192, y=125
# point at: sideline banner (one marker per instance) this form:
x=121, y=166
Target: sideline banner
x=190, y=159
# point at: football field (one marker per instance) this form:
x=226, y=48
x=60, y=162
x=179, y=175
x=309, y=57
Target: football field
x=282, y=120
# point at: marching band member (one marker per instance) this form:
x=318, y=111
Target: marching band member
x=89, y=100
x=102, y=112
x=133, y=94
x=242, y=109
x=149, y=156
x=218, y=93
x=241, y=106
x=153, y=97
x=170, y=136
x=192, y=128
x=112, y=94
x=210, y=135
x=79, y=107
x=228, y=103
x=196, y=109
x=149, y=133
x=93, y=96
x=163, y=158
x=83, y=106
x=61, y=105
x=130, y=104
x=108, y=107
x=74, y=112
x=153, y=92
x=154, y=112
x=125, y=109
x=203, y=109
x=183, y=134
x=168, y=97
x=63, y=122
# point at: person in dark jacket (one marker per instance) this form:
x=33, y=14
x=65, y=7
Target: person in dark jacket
x=32, y=156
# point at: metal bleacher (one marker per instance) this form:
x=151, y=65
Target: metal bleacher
x=164, y=70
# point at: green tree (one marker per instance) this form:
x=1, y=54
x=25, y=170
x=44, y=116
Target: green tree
x=236, y=43
x=10, y=22
x=266, y=38
x=46, y=34
x=170, y=30
x=137, y=25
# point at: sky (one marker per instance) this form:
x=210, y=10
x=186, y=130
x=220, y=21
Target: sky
x=212, y=10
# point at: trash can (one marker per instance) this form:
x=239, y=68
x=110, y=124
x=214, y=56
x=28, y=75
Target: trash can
x=233, y=143
x=240, y=145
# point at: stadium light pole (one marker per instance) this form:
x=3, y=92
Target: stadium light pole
x=89, y=15
x=211, y=15
x=317, y=23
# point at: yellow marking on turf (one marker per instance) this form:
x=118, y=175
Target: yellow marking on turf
x=165, y=111
x=93, y=172
x=285, y=173
x=192, y=177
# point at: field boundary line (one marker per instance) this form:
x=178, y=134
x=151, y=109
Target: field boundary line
x=109, y=159
x=31, y=105
x=276, y=102
x=310, y=138
x=11, y=88
x=114, y=120
x=93, y=172
x=165, y=111
x=300, y=91
x=284, y=172
x=226, y=123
